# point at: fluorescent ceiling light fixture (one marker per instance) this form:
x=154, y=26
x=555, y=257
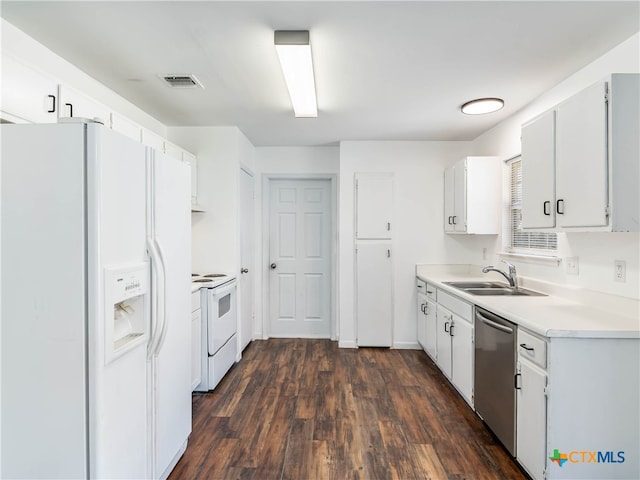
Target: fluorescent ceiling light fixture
x=294, y=52
x=480, y=106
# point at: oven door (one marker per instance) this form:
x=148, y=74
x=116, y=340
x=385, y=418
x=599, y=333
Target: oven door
x=222, y=316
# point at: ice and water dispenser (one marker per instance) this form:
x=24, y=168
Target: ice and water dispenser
x=126, y=308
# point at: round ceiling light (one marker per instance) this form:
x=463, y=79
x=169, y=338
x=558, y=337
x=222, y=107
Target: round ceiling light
x=480, y=106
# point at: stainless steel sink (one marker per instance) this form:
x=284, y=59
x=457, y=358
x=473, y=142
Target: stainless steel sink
x=493, y=288
x=465, y=285
x=503, y=291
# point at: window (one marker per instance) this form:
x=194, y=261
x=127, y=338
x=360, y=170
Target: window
x=524, y=241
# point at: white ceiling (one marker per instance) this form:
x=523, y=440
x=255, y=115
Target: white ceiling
x=384, y=70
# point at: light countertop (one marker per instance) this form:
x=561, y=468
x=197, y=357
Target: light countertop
x=562, y=313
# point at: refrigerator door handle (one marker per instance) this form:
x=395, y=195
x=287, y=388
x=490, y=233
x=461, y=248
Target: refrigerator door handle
x=157, y=298
x=163, y=330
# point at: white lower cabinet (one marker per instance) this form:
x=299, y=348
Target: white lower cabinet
x=577, y=407
x=455, y=352
x=444, y=321
x=531, y=417
x=196, y=340
x=431, y=330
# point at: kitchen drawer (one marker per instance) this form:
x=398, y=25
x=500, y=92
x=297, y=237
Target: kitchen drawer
x=532, y=348
x=455, y=305
x=432, y=292
x=195, y=301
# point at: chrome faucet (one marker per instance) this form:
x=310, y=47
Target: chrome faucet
x=511, y=277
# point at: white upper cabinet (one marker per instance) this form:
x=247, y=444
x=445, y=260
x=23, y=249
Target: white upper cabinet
x=76, y=104
x=538, y=165
x=27, y=95
x=472, y=192
x=581, y=161
x=152, y=139
x=374, y=205
x=125, y=126
x=193, y=161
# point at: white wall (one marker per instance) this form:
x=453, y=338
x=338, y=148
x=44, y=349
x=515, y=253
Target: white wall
x=596, y=251
x=24, y=48
x=289, y=161
x=221, y=151
x=418, y=235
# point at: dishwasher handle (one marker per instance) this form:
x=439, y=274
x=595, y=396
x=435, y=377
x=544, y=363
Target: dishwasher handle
x=492, y=324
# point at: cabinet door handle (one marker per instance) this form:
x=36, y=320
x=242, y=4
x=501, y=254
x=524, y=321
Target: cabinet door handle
x=527, y=347
x=449, y=220
x=273, y=266
x=517, y=381
x=451, y=329
x=558, y=203
x=53, y=103
x=70, y=108
x=388, y=226
x=445, y=327
x=454, y=219
x=546, y=206
x=388, y=253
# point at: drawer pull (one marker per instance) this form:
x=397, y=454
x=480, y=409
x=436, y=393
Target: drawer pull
x=526, y=347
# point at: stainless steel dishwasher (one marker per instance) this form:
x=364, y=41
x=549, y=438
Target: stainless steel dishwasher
x=495, y=369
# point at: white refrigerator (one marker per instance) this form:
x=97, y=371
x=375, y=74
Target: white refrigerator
x=96, y=313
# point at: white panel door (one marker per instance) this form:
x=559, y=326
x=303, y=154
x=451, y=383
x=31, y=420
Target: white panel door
x=246, y=257
x=538, y=172
x=374, y=205
x=374, y=312
x=581, y=159
x=300, y=258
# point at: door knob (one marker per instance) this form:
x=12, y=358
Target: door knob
x=273, y=266
x=244, y=270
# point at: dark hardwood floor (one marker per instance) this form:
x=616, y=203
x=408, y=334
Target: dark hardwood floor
x=304, y=409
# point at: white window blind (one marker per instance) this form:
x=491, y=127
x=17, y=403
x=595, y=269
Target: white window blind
x=525, y=241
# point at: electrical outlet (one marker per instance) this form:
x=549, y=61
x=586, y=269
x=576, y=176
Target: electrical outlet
x=620, y=271
x=572, y=265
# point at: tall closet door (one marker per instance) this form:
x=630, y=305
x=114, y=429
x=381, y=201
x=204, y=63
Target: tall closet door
x=373, y=294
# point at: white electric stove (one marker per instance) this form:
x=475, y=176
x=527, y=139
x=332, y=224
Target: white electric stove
x=219, y=326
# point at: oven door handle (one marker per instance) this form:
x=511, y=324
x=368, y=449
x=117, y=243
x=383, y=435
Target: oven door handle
x=223, y=289
x=492, y=324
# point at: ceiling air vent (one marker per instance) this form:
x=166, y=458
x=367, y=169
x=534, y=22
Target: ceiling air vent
x=181, y=81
